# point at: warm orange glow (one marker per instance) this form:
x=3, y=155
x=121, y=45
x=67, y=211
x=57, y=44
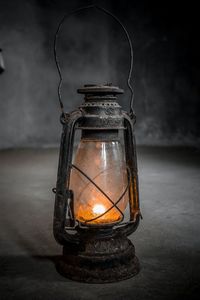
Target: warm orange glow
x=104, y=163
x=94, y=210
x=98, y=209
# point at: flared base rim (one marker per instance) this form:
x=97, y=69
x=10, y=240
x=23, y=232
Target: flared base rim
x=96, y=267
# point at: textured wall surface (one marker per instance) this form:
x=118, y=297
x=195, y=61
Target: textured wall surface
x=93, y=49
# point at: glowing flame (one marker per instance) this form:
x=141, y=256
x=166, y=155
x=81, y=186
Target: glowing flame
x=98, y=209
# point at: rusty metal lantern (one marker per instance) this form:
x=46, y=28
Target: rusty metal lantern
x=96, y=184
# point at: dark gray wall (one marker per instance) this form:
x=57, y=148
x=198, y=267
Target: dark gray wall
x=93, y=49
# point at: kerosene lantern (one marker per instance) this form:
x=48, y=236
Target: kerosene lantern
x=97, y=183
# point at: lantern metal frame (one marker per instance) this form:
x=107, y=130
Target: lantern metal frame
x=96, y=253
x=99, y=113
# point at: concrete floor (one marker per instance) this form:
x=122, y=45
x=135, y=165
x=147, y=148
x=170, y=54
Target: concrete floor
x=167, y=241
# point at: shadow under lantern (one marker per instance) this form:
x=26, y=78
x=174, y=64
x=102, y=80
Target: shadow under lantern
x=97, y=185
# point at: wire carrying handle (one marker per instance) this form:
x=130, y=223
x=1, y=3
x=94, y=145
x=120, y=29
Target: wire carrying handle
x=57, y=61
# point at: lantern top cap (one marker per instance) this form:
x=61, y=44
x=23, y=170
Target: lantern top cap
x=107, y=89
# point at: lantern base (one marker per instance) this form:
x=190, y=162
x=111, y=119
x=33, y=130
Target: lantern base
x=99, y=260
